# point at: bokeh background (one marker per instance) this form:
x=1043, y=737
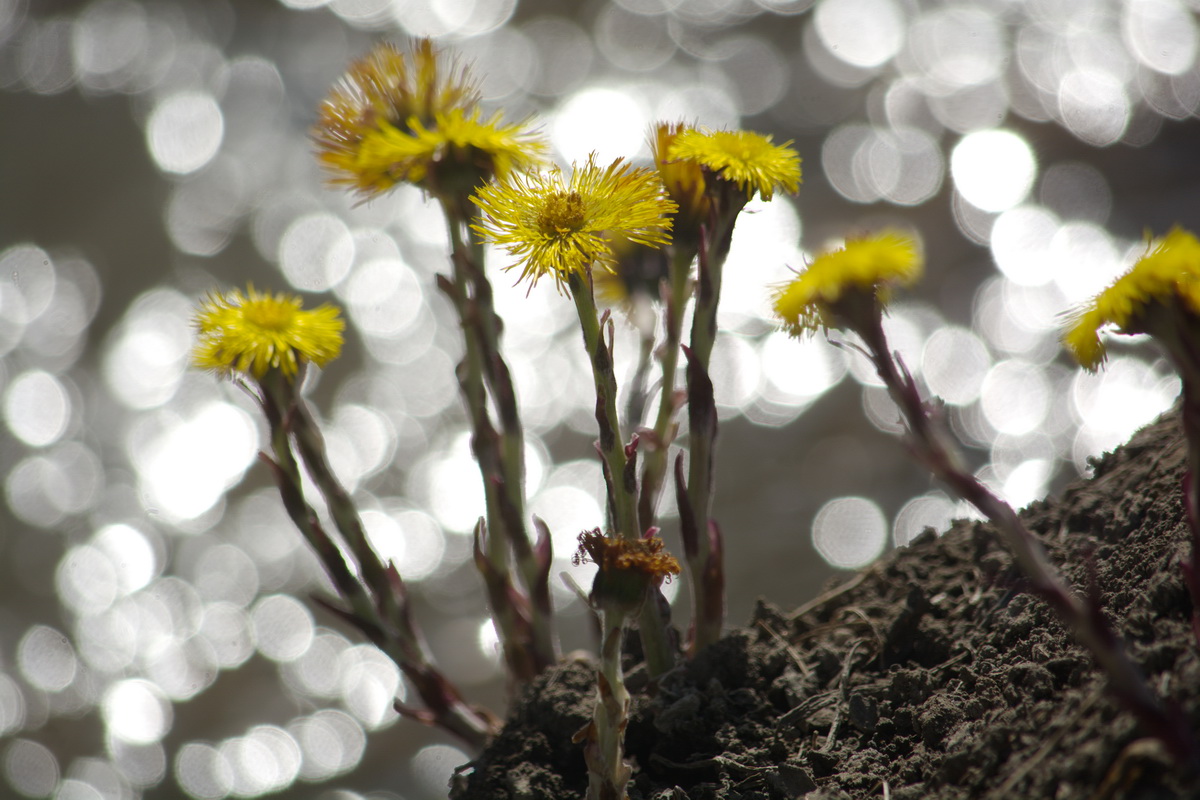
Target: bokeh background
x=156, y=636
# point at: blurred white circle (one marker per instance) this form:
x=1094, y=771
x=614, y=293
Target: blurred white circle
x=994, y=169
x=184, y=131
x=849, y=532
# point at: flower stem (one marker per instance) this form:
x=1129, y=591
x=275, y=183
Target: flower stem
x=620, y=474
x=930, y=444
x=654, y=462
x=604, y=737
x=385, y=618
x=526, y=627
x=704, y=567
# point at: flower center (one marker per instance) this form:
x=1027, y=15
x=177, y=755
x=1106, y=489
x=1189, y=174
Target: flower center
x=562, y=212
x=269, y=315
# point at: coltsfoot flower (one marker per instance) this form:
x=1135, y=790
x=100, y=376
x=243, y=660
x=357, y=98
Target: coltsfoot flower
x=750, y=160
x=557, y=227
x=415, y=117
x=253, y=332
x=1162, y=286
x=840, y=286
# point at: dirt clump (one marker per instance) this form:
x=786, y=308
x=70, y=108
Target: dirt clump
x=933, y=674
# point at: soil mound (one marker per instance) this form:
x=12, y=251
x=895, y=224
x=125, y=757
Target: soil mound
x=930, y=675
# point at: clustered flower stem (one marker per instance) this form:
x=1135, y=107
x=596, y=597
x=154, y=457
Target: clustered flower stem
x=928, y=440
x=378, y=600
x=700, y=535
x=654, y=462
x=620, y=463
x=524, y=615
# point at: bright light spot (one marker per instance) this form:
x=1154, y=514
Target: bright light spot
x=1122, y=397
x=267, y=759
x=184, y=131
x=136, y=711
x=31, y=769
x=1086, y=261
x=12, y=706
x=33, y=275
x=802, y=369
x=993, y=170
x=283, y=627
x=954, y=363
x=1021, y=245
x=130, y=553
x=331, y=741
x=1094, y=106
x=864, y=33
x=1015, y=397
x=567, y=511
x=849, y=532
x=86, y=580
x=203, y=771
x=933, y=510
x=37, y=408
x=188, y=466
x=434, y=765
x=448, y=480
x=316, y=252
x=1162, y=34
x=1027, y=482
x=370, y=685
x=609, y=122
x=46, y=659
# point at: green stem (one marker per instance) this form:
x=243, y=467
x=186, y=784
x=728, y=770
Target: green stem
x=654, y=462
x=499, y=452
x=611, y=443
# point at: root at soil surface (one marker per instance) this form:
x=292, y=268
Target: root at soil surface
x=936, y=676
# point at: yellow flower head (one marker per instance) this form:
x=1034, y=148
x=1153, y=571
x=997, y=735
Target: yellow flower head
x=1165, y=278
x=683, y=179
x=557, y=227
x=395, y=117
x=253, y=332
x=750, y=160
x=826, y=293
x=644, y=557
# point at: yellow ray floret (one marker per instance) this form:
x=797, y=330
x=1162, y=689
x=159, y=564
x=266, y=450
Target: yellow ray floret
x=1169, y=271
x=750, y=160
x=253, y=332
x=395, y=114
x=390, y=155
x=867, y=266
x=555, y=226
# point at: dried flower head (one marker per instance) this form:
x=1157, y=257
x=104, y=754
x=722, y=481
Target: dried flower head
x=253, y=332
x=557, y=227
x=1164, y=282
x=643, y=557
x=750, y=160
x=831, y=291
x=410, y=117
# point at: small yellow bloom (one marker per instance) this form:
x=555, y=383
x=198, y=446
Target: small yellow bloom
x=395, y=117
x=832, y=286
x=253, y=332
x=1166, y=278
x=558, y=227
x=750, y=160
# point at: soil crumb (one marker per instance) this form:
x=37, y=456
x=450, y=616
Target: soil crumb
x=932, y=675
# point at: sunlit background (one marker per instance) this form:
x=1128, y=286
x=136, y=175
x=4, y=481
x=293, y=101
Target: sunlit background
x=156, y=636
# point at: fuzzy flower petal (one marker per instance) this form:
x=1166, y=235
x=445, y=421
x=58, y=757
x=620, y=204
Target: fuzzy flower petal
x=1169, y=270
x=865, y=267
x=750, y=160
x=396, y=116
x=252, y=332
x=556, y=227
x=684, y=180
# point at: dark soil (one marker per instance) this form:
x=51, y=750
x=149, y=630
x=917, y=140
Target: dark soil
x=930, y=675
